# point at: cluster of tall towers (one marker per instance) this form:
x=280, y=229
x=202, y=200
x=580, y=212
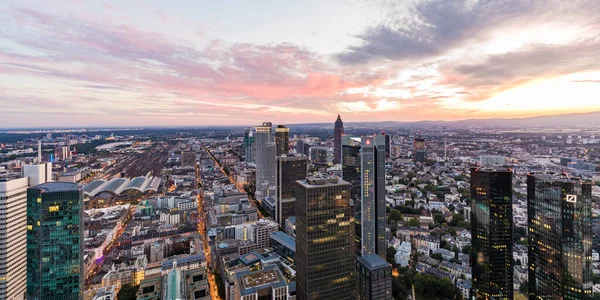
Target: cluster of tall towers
x=41, y=228
x=559, y=235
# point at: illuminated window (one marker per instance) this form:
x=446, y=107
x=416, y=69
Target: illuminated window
x=53, y=208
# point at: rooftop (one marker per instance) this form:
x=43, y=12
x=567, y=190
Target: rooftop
x=322, y=179
x=57, y=186
x=373, y=262
x=284, y=239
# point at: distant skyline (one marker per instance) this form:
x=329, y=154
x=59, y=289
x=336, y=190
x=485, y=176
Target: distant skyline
x=152, y=63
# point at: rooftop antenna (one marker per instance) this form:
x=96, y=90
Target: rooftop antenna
x=39, y=156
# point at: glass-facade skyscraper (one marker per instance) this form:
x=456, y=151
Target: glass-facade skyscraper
x=263, y=137
x=249, y=145
x=559, y=214
x=55, y=241
x=338, y=131
x=363, y=166
x=491, y=225
x=324, y=239
x=282, y=139
x=290, y=168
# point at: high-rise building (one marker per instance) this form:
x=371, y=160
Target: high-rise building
x=318, y=155
x=388, y=145
x=559, y=212
x=188, y=158
x=420, y=150
x=263, y=137
x=290, y=168
x=271, y=166
x=249, y=145
x=13, y=245
x=55, y=241
x=38, y=173
x=492, y=231
x=282, y=139
x=373, y=278
x=300, y=146
x=324, y=239
x=338, y=131
x=363, y=166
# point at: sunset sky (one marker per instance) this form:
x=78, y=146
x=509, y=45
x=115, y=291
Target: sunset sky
x=139, y=63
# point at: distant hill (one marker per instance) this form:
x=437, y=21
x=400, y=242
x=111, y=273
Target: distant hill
x=565, y=120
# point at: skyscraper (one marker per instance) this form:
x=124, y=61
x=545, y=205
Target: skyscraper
x=282, y=139
x=13, y=245
x=249, y=145
x=271, y=166
x=290, y=168
x=263, y=136
x=420, y=150
x=373, y=278
x=491, y=226
x=55, y=241
x=338, y=131
x=560, y=237
x=363, y=165
x=324, y=239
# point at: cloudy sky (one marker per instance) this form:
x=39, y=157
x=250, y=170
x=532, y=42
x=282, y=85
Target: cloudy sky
x=122, y=63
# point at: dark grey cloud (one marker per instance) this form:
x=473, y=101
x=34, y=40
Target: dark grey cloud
x=434, y=26
x=533, y=62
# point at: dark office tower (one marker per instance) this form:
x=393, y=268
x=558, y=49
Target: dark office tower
x=373, y=278
x=290, y=168
x=300, y=146
x=249, y=146
x=596, y=230
x=491, y=225
x=54, y=241
x=420, y=150
x=188, y=158
x=351, y=169
x=282, y=139
x=560, y=237
x=324, y=239
x=338, y=131
x=388, y=143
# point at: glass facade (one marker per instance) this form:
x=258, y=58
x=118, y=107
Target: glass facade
x=290, y=168
x=324, y=240
x=282, y=139
x=559, y=215
x=373, y=278
x=492, y=241
x=249, y=146
x=338, y=131
x=54, y=241
x=363, y=166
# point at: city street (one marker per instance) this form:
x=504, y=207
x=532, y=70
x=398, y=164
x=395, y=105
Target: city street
x=214, y=291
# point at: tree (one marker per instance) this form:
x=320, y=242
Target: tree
x=395, y=215
x=390, y=253
x=466, y=249
x=524, y=288
x=438, y=218
x=437, y=256
x=127, y=292
x=414, y=222
x=596, y=278
x=429, y=188
x=451, y=207
x=410, y=175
